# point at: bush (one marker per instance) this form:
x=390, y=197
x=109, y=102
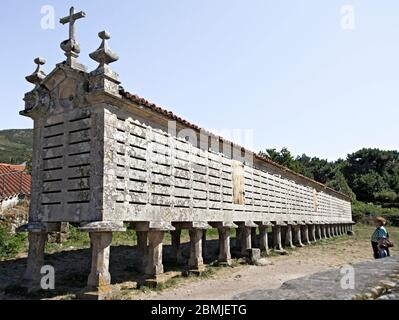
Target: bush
x=11, y=244
x=364, y=212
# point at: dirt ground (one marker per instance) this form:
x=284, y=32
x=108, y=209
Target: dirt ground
x=299, y=262
x=227, y=283
x=72, y=267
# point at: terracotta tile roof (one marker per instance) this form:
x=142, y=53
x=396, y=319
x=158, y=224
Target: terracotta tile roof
x=160, y=110
x=15, y=167
x=13, y=181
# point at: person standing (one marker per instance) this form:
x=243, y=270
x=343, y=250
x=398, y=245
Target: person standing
x=380, y=235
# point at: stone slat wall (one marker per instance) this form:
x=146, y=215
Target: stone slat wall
x=150, y=175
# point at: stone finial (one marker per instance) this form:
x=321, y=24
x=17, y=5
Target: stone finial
x=71, y=45
x=103, y=55
x=103, y=78
x=38, y=75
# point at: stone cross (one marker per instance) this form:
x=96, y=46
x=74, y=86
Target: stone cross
x=73, y=16
x=71, y=46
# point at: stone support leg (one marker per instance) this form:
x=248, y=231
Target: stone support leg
x=224, y=245
x=277, y=245
x=37, y=243
x=288, y=237
x=297, y=236
x=328, y=230
x=263, y=239
x=154, y=264
x=196, y=260
x=312, y=232
x=305, y=234
x=246, y=242
x=100, y=250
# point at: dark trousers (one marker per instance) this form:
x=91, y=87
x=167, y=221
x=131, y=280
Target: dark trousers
x=376, y=250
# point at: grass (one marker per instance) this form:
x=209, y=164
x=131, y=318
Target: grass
x=11, y=244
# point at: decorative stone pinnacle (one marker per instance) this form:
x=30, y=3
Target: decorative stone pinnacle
x=38, y=75
x=103, y=55
x=71, y=46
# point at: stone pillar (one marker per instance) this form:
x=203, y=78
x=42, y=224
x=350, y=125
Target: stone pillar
x=305, y=234
x=328, y=230
x=37, y=243
x=100, y=250
x=263, y=238
x=224, y=245
x=246, y=242
x=277, y=245
x=318, y=232
x=312, y=232
x=288, y=236
x=142, y=239
x=297, y=236
x=196, y=261
x=324, y=231
x=154, y=264
x=176, y=248
x=100, y=239
x=253, y=238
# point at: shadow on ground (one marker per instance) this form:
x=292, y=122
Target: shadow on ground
x=73, y=267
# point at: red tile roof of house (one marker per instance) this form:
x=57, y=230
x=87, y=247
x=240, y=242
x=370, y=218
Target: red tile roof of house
x=13, y=181
x=15, y=167
x=143, y=102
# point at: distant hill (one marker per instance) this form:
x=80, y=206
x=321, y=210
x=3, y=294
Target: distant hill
x=15, y=145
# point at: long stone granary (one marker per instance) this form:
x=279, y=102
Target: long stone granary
x=103, y=157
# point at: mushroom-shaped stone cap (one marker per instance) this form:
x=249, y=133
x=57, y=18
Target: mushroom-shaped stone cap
x=103, y=55
x=40, y=61
x=38, y=75
x=104, y=35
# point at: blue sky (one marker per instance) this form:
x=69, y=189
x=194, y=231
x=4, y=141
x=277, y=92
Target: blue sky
x=282, y=68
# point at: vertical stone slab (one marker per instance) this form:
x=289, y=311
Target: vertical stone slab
x=297, y=236
x=196, y=260
x=176, y=246
x=263, y=239
x=154, y=264
x=37, y=243
x=224, y=245
x=100, y=249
